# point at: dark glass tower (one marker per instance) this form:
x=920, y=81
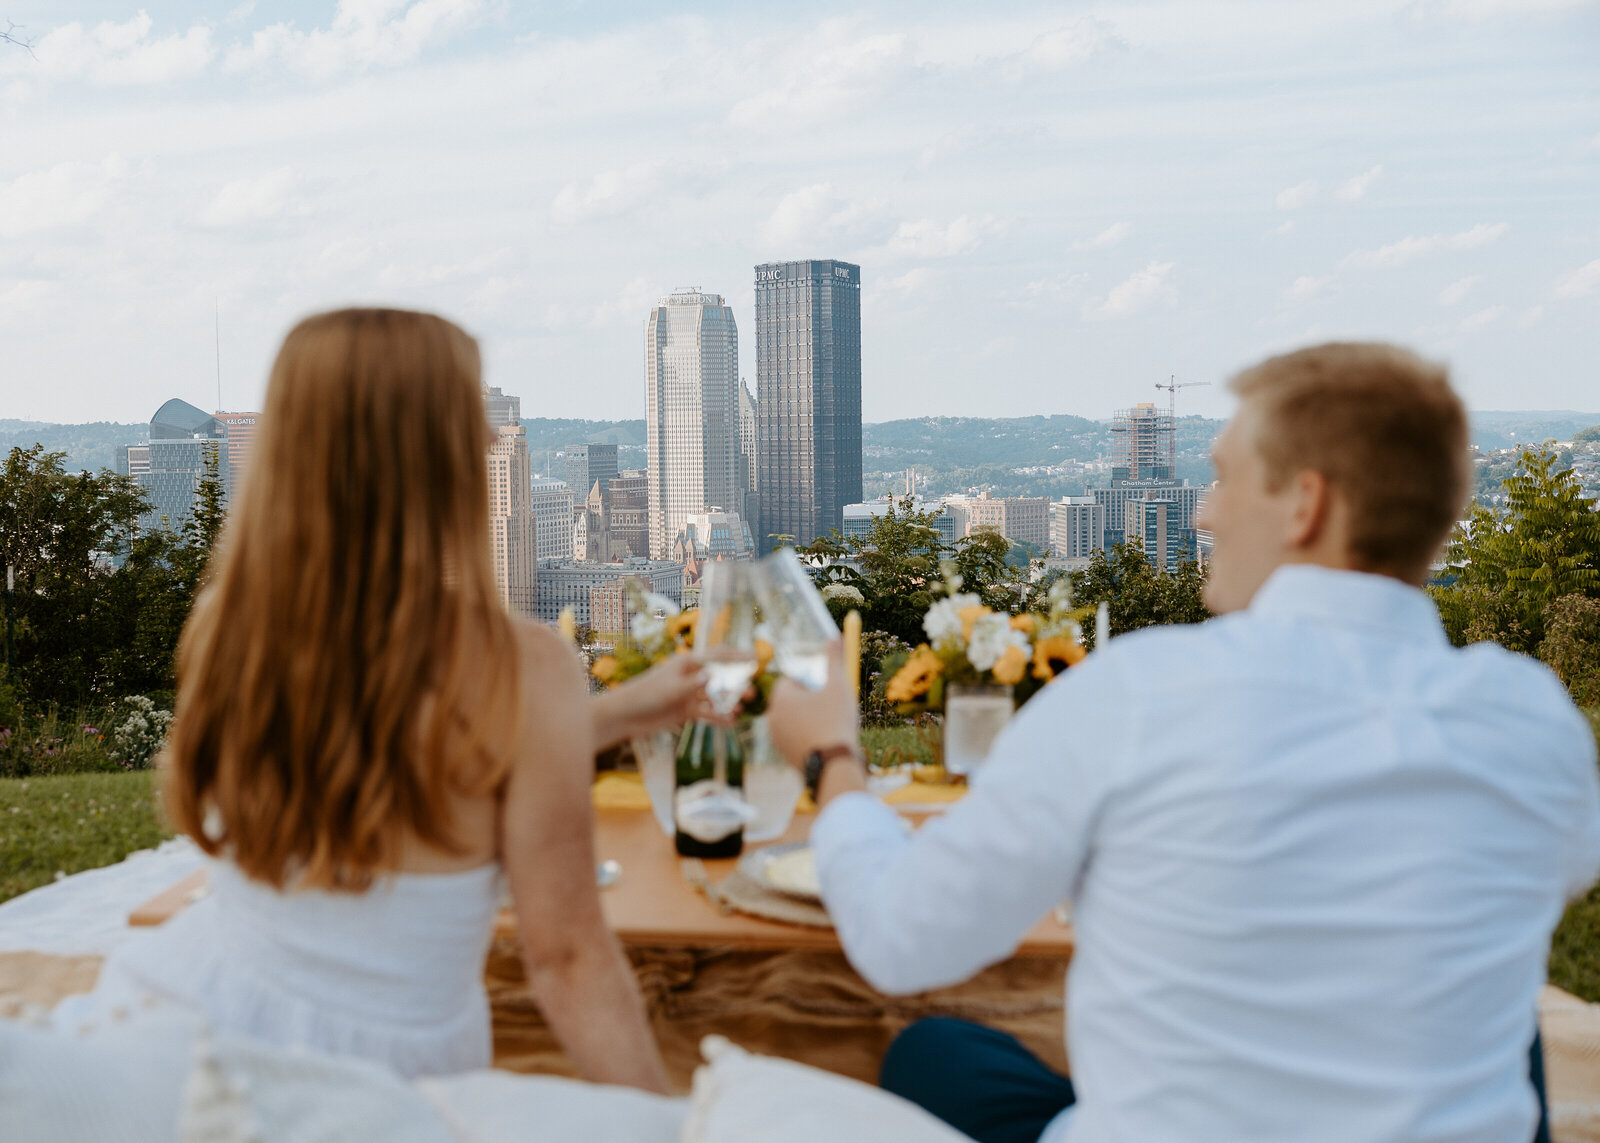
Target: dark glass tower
x=808, y=397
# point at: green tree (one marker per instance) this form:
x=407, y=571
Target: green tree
x=1505, y=568
x=1139, y=593
x=98, y=606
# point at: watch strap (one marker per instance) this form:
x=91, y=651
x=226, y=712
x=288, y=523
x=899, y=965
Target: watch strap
x=817, y=761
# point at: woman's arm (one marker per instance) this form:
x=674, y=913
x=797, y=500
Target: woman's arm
x=577, y=970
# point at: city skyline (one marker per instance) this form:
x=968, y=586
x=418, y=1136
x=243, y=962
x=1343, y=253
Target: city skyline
x=1167, y=188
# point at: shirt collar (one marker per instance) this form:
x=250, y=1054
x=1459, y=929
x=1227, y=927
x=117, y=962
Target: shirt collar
x=1350, y=599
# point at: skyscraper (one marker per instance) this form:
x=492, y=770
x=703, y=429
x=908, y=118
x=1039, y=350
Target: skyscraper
x=184, y=442
x=691, y=353
x=748, y=434
x=552, y=518
x=502, y=408
x=512, y=530
x=588, y=465
x=241, y=436
x=808, y=396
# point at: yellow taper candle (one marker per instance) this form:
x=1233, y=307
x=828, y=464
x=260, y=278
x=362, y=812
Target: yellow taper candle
x=852, y=651
x=565, y=624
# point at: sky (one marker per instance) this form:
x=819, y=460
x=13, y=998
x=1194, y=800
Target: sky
x=1054, y=206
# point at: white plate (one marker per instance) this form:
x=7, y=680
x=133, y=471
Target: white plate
x=759, y=865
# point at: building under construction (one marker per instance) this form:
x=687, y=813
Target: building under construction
x=1143, y=443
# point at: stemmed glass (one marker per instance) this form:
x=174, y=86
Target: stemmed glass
x=798, y=618
x=725, y=636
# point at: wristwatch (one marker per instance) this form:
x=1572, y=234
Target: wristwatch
x=817, y=761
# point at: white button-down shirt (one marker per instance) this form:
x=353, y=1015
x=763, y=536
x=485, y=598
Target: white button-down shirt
x=1315, y=856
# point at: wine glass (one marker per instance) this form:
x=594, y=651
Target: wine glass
x=725, y=636
x=799, y=620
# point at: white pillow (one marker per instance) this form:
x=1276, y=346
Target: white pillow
x=121, y=1083
x=241, y=1091
x=499, y=1107
x=741, y=1098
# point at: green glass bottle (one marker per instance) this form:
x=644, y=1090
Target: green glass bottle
x=700, y=833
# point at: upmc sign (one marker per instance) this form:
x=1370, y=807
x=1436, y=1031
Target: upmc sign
x=803, y=271
x=775, y=275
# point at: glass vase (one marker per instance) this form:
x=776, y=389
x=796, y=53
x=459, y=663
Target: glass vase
x=974, y=716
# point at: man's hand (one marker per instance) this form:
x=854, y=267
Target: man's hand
x=804, y=720
x=668, y=695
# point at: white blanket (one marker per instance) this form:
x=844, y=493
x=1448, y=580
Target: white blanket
x=87, y=914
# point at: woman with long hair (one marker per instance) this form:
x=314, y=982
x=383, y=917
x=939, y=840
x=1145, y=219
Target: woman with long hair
x=365, y=739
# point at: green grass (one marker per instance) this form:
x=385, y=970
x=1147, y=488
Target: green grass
x=62, y=824
x=890, y=745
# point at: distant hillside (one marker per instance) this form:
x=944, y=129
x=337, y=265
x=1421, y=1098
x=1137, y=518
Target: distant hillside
x=549, y=435
x=1507, y=430
x=91, y=447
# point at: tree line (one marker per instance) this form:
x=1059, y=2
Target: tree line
x=95, y=604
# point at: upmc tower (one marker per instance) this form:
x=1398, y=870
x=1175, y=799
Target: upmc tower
x=808, y=396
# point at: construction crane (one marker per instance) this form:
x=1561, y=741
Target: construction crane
x=1172, y=386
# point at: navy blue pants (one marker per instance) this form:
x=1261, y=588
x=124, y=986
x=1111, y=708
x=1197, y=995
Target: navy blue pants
x=985, y=1083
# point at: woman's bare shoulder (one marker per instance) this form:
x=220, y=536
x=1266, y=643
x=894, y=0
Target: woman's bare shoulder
x=546, y=657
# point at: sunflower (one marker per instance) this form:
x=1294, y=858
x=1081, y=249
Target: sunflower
x=1010, y=667
x=914, y=679
x=1027, y=624
x=970, y=616
x=681, y=626
x=1053, y=655
x=605, y=668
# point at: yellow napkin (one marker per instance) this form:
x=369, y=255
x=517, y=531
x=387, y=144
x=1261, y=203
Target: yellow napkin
x=614, y=790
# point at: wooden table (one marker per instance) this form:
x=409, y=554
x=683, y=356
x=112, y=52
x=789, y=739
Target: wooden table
x=776, y=988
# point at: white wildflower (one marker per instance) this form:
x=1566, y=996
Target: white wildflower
x=991, y=635
x=844, y=591
x=647, y=630
x=943, y=621
x=659, y=605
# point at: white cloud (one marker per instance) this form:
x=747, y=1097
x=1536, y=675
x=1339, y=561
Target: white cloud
x=67, y=194
x=1579, y=283
x=815, y=214
x=1459, y=289
x=925, y=238
x=340, y=258
x=1530, y=317
x=1110, y=236
x=607, y=195
x=1297, y=196
x=258, y=199
x=1285, y=227
x=1307, y=287
x=1412, y=247
x=1066, y=47
x=1141, y=288
x=1356, y=187
x=916, y=282
x=124, y=53
x=364, y=34
x=819, y=77
x=1477, y=11
x=1481, y=319
x=25, y=298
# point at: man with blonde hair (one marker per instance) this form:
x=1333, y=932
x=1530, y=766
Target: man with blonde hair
x=1314, y=853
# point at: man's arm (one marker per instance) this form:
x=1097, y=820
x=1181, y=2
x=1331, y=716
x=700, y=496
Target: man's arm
x=930, y=910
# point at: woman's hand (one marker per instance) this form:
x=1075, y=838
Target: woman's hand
x=668, y=695
x=803, y=720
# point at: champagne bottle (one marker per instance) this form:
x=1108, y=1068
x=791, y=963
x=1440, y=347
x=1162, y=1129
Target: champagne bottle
x=710, y=775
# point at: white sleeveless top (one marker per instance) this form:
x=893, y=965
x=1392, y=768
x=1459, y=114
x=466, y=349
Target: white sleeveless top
x=393, y=975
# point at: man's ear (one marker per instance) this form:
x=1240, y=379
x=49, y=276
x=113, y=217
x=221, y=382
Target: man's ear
x=1313, y=497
